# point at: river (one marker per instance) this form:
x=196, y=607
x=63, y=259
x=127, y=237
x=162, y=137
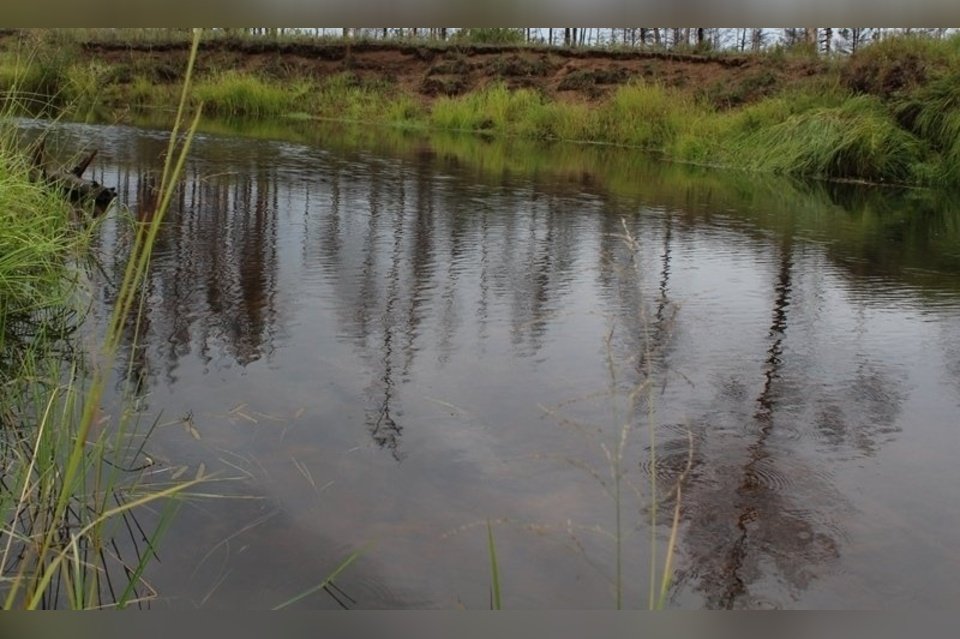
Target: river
x=381, y=341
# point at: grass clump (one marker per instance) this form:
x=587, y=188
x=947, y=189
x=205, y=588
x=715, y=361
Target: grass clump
x=36, y=239
x=347, y=96
x=933, y=114
x=494, y=109
x=234, y=93
x=855, y=140
x=18, y=74
x=645, y=115
x=23, y=84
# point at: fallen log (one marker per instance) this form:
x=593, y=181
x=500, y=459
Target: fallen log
x=70, y=182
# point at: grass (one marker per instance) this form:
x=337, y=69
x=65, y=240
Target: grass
x=933, y=114
x=828, y=133
x=326, y=583
x=71, y=475
x=24, y=84
x=496, y=108
x=642, y=115
x=495, y=600
x=858, y=139
x=645, y=115
x=234, y=93
x=345, y=96
x=36, y=238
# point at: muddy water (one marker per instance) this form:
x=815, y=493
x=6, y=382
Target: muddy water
x=381, y=341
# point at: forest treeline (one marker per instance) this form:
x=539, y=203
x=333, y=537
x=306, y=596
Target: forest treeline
x=823, y=40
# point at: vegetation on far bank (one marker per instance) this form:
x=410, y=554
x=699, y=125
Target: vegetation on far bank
x=889, y=113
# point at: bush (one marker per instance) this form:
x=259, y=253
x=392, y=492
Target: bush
x=491, y=35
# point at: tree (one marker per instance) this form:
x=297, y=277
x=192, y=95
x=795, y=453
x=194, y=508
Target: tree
x=826, y=40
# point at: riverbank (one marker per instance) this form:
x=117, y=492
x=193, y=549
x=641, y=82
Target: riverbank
x=887, y=114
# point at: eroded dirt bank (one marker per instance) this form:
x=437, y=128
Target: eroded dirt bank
x=448, y=69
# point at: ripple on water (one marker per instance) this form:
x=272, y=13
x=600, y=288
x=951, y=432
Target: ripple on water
x=676, y=455
x=782, y=474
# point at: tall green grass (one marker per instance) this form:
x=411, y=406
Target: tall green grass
x=644, y=115
x=23, y=85
x=346, y=96
x=495, y=108
x=858, y=139
x=46, y=76
x=234, y=93
x=36, y=238
x=71, y=474
x=933, y=114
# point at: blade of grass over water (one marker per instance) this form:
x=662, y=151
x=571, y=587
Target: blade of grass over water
x=674, y=529
x=495, y=603
x=323, y=584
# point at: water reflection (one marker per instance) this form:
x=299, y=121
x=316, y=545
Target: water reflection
x=214, y=284
x=788, y=328
x=766, y=525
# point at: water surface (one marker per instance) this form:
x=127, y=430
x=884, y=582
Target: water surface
x=389, y=339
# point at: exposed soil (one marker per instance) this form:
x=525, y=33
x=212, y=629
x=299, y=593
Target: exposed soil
x=434, y=70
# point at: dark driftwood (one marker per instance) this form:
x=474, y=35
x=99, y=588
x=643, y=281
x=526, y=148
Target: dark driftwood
x=70, y=182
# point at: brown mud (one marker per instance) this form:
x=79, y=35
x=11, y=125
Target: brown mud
x=430, y=70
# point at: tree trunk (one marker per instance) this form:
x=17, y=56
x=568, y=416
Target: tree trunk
x=70, y=183
x=827, y=40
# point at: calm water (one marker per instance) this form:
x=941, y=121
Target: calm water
x=386, y=339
